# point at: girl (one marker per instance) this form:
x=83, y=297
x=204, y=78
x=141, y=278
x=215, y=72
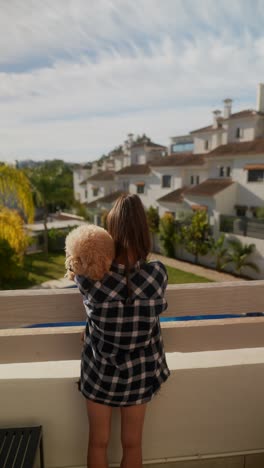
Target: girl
x=123, y=362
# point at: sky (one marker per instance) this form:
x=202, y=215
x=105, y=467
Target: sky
x=76, y=76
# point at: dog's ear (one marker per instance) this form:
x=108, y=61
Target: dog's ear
x=99, y=266
x=75, y=265
x=70, y=275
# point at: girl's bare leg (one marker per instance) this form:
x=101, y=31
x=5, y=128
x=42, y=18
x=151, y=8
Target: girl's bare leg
x=132, y=421
x=99, y=433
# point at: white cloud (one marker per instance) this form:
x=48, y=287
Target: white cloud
x=93, y=71
x=87, y=139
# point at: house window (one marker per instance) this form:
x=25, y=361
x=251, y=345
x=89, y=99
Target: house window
x=95, y=191
x=222, y=172
x=206, y=145
x=85, y=193
x=228, y=171
x=197, y=179
x=241, y=210
x=238, y=132
x=256, y=175
x=192, y=179
x=140, y=188
x=166, y=181
x=182, y=147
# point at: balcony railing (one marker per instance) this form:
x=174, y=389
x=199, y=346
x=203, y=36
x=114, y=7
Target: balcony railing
x=211, y=407
x=242, y=226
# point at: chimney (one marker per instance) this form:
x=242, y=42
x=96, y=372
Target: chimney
x=227, y=108
x=260, y=98
x=130, y=139
x=216, y=115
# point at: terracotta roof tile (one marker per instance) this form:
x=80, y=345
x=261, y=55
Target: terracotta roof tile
x=244, y=113
x=179, y=159
x=103, y=175
x=232, y=149
x=135, y=169
x=236, y=115
x=209, y=187
x=111, y=197
x=209, y=128
x=176, y=196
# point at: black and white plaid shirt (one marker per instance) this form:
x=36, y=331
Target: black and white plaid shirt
x=123, y=361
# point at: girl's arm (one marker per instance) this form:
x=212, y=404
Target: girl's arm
x=84, y=284
x=162, y=276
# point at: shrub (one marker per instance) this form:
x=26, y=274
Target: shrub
x=167, y=234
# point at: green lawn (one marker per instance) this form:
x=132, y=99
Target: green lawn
x=180, y=277
x=39, y=268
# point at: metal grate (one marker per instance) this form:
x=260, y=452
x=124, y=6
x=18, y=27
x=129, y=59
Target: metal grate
x=18, y=447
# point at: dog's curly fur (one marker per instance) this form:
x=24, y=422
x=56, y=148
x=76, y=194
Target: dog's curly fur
x=89, y=252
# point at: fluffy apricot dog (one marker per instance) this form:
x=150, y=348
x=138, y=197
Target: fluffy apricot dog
x=89, y=252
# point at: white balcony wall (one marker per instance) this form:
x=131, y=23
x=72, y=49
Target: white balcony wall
x=210, y=407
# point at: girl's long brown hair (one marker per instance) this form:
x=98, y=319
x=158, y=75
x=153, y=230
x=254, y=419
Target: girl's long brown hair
x=127, y=224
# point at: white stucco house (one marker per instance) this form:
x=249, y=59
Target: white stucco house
x=218, y=168
x=125, y=169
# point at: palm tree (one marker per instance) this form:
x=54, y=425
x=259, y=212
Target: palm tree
x=221, y=253
x=15, y=192
x=16, y=206
x=238, y=254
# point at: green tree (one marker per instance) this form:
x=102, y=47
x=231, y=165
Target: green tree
x=153, y=219
x=81, y=210
x=167, y=234
x=52, y=183
x=196, y=236
x=238, y=255
x=15, y=192
x=220, y=251
x=11, y=267
x=260, y=213
x=12, y=230
x=16, y=206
